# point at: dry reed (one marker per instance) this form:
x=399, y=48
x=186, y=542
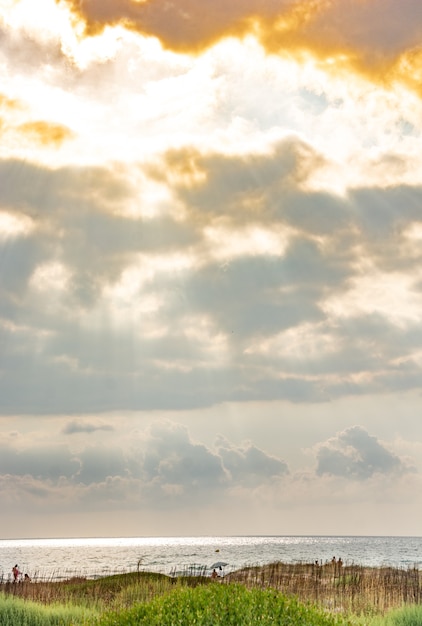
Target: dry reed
x=348, y=588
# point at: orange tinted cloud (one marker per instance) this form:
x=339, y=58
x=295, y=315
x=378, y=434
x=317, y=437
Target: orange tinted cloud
x=370, y=34
x=46, y=133
x=183, y=25
x=409, y=69
x=9, y=103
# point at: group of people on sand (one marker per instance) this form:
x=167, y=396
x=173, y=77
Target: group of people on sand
x=18, y=577
x=336, y=563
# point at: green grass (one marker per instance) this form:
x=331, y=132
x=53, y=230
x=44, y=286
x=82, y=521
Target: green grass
x=18, y=612
x=407, y=616
x=221, y=605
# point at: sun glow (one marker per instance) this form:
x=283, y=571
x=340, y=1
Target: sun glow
x=226, y=244
x=314, y=340
x=50, y=277
x=15, y=225
x=44, y=16
x=392, y=295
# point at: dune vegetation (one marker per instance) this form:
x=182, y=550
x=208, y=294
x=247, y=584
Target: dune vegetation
x=297, y=595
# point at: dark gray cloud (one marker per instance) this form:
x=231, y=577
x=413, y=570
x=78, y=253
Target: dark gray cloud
x=172, y=458
x=248, y=465
x=100, y=462
x=356, y=454
x=74, y=427
x=18, y=257
x=381, y=217
x=259, y=296
x=46, y=462
x=66, y=192
x=95, y=243
x=316, y=212
x=242, y=188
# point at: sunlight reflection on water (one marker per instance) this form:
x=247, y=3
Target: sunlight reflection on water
x=56, y=558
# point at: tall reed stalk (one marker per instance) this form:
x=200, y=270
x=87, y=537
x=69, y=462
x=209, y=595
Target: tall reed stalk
x=349, y=588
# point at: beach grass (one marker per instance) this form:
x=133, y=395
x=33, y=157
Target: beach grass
x=279, y=593
x=406, y=616
x=115, y=591
x=18, y=612
x=347, y=589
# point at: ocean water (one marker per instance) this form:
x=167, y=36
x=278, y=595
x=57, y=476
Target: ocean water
x=62, y=558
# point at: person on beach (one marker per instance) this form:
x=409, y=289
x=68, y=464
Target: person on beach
x=214, y=574
x=16, y=573
x=27, y=578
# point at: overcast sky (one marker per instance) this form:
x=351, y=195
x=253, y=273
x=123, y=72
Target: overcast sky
x=210, y=267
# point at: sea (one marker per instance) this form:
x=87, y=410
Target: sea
x=55, y=559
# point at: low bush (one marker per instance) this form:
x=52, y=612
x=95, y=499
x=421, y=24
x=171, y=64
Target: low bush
x=221, y=605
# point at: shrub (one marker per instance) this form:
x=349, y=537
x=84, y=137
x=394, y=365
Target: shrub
x=221, y=605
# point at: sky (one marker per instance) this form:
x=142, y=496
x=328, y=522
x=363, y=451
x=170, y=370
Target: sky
x=210, y=267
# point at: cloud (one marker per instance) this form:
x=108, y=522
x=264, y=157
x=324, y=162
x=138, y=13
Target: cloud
x=97, y=463
x=177, y=465
x=162, y=463
x=94, y=188
x=23, y=50
x=205, y=204
x=242, y=186
x=350, y=28
x=355, y=454
x=46, y=133
x=248, y=465
x=96, y=243
x=9, y=104
x=162, y=470
x=42, y=463
x=75, y=427
x=342, y=32
x=179, y=26
x=115, y=307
